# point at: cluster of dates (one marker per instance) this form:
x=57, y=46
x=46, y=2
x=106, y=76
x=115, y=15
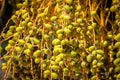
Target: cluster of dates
x=63, y=40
